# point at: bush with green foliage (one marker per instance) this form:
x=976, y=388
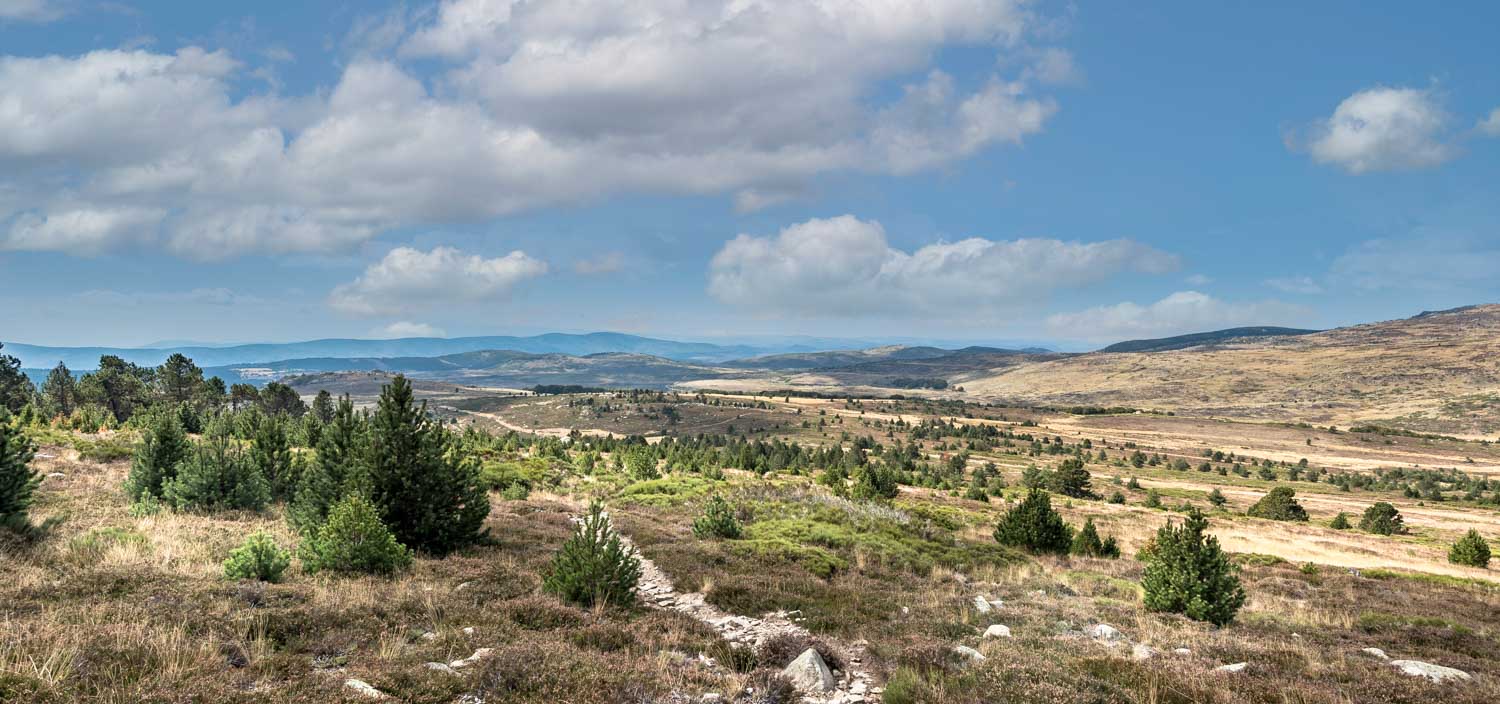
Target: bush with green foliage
x=334, y=473
x=873, y=481
x=271, y=453
x=429, y=493
x=354, y=540
x=641, y=462
x=1471, y=550
x=593, y=566
x=216, y=476
x=1340, y=522
x=1278, y=505
x=1087, y=543
x=1034, y=526
x=1071, y=479
x=1217, y=498
x=1188, y=573
x=717, y=520
x=1382, y=519
x=163, y=446
x=18, y=480
x=257, y=558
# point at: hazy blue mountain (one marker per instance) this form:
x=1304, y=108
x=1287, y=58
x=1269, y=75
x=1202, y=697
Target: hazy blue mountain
x=1164, y=344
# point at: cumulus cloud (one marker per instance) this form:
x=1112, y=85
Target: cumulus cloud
x=406, y=328
x=1383, y=129
x=1295, y=284
x=412, y=280
x=845, y=266
x=31, y=10
x=527, y=105
x=1180, y=313
x=1432, y=261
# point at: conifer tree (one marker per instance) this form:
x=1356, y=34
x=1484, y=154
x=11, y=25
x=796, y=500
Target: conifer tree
x=593, y=566
x=216, y=476
x=162, y=447
x=334, y=474
x=1034, y=526
x=1188, y=573
x=271, y=453
x=429, y=494
x=18, y=480
x=1471, y=550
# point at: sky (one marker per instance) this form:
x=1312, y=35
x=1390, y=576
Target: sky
x=1067, y=174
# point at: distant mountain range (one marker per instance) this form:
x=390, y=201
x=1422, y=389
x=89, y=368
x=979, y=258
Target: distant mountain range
x=1179, y=342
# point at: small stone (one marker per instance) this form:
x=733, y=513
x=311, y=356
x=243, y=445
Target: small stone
x=1105, y=633
x=971, y=656
x=478, y=655
x=1236, y=667
x=905, y=611
x=1141, y=651
x=982, y=605
x=1376, y=653
x=997, y=631
x=440, y=667
x=809, y=673
x=468, y=630
x=711, y=698
x=56, y=475
x=1435, y=673
x=1183, y=651
x=364, y=689
x=428, y=635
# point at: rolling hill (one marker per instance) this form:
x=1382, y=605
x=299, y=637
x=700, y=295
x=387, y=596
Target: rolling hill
x=1178, y=342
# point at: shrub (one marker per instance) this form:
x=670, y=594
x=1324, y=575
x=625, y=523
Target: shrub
x=1034, y=526
x=163, y=446
x=1383, y=519
x=1088, y=544
x=18, y=480
x=874, y=482
x=1471, y=550
x=216, y=475
x=354, y=540
x=717, y=521
x=1279, y=505
x=1188, y=573
x=258, y=558
x=1216, y=498
x=1153, y=499
x=642, y=464
x=517, y=491
x=1117, y=498
x=428, y=492
x=593, y=566
x=1340, y=522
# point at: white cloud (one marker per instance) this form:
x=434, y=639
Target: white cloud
x=1384, y=129
x=1055, y=66
x=31, y=10
x=1490, y=125
x=845, y=266
x=1295, y=284
x=1431, y=261
x=1180, y=313
x=406, y=328
x=412, y=280
x=529, y=105
x=605, y=263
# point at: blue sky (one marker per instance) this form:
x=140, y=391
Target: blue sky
x=953, y=169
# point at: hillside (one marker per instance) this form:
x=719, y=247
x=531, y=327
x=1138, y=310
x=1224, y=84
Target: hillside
x=1439, y=372
x=1179, y=342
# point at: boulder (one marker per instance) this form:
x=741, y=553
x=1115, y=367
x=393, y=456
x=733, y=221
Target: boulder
x=997, y=631
x=970, y=655
x=982, y=605
x=1141, y=651
x=1376, y=653
x=1236, y=667
x=1435, y=673
x=440, y=667
x=363, y=689
x=809, y=673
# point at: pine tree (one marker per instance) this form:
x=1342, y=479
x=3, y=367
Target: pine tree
x=1216, y=498
x=1188, y=573
x=428, y=493
x=874, y=482
x=1278, y=505
x=335, y=473
x=593, y=566
x=717, y=521
x=1382, y=519
x=60, y=390
x=162, y=447
x=178, y=380
x=1471, y=550
x=1072, y=479
x=1034, y=526
x=217, y=476
x=354, y=540
x=257, y=558
x=1340, y=522
x=271, y=453
x=322, y=407
x=18, y=480
x=16, y=389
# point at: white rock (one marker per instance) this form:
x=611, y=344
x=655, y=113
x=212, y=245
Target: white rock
x=478, y=655
x=809, y=673
x=468, y=630
x=1105, y=633
x=1376, y=653
x=56, y=475
x=1236, y=667
x=1183, y=651
x=997, y=631
x=364, y=689
x=982, y=605
x=1141, y=651
x=1436, y=673
x=971, y=656
x=440, y=667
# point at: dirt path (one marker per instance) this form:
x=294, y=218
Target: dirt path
x=855, y=684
